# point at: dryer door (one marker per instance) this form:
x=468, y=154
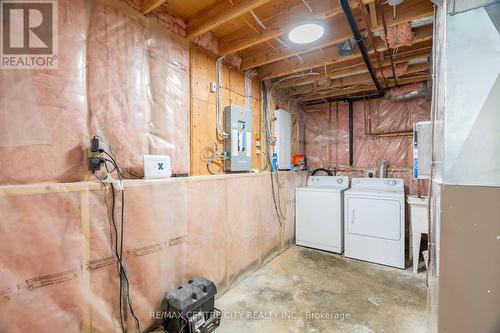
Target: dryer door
x=374, y=217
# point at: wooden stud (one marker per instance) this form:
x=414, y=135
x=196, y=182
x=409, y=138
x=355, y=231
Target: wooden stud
x=86, y=281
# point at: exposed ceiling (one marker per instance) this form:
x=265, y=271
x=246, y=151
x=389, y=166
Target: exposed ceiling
x=257, y=30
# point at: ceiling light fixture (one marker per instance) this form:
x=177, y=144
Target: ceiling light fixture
x=306, y=33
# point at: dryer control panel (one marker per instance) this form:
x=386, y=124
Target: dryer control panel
x=380, y=184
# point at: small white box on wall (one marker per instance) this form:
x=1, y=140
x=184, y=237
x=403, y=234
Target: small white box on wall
x=157, y=166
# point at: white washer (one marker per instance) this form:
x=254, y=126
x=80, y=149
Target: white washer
x=374, y=221
x=319, y=213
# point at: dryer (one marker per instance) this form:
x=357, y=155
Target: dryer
x=374, y=221
x=320, y=213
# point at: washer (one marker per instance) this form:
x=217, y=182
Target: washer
x=319, y=213
x=374, y=221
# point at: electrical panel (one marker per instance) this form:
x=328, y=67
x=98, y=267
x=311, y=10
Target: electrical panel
x=422, y=147
x=283, y=133
x=238, y=146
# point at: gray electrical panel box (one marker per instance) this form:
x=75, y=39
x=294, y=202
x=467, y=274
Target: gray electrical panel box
x=238, y=123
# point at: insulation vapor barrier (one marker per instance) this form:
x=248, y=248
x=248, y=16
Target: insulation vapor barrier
x=120, y=76
x=58, y=272
x=124, y=78
x=382, y=131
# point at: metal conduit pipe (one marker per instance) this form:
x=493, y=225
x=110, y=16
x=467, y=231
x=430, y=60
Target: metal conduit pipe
x=351, y=134
x=218, y=93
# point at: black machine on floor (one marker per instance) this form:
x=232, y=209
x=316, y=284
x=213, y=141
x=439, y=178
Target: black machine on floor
x=190, y=308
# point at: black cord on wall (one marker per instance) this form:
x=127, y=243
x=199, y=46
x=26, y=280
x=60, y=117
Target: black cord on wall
x=117, y=240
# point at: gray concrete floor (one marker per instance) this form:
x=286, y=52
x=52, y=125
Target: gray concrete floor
x=305, y=290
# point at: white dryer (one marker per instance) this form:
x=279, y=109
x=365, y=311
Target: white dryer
x=374, y=221
x=319, y=213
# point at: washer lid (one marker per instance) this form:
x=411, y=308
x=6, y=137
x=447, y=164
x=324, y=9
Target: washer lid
x=338, y=182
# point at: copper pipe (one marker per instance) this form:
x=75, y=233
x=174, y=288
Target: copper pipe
x=393, y=134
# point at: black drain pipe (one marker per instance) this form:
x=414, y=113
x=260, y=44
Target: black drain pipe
x=359, y=40
x=351, y=134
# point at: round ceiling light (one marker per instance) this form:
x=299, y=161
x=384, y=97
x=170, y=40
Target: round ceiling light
x=306, y=33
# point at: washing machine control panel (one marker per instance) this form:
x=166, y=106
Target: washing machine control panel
x=329, y=181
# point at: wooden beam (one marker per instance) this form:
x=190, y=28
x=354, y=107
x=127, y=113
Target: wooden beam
x=148, y=5
x=337, y=31
x=219, y=14
x=330, y=56
x=279, y=24
x=373, y=15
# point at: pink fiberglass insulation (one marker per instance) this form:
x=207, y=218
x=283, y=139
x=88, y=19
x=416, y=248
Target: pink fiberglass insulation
x=168, y=63
x=43, y=126
x=327, y=136
x=136, y=4
x=208, y=41
x=400, y=69
x=138, y=89
x=123, y=80
x=118, y=97
x=59, y=269
x=170, y=21
x=41, y=244
x=234, y=59
x=399, y=35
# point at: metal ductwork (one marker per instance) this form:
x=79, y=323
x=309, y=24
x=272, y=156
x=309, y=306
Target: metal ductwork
x=410, y=95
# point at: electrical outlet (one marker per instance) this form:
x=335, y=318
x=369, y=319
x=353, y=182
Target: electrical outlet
x=213, y=87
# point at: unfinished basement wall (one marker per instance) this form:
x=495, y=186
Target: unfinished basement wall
x=382, y=131
x=121, y=77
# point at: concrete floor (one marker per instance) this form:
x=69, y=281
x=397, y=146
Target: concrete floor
x=305, y=290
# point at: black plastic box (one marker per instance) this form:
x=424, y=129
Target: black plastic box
x=190, y=308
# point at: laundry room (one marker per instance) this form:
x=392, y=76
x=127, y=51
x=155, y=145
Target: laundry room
x=197, y=166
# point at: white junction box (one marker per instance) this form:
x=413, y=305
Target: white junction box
x=157, y=166
x=283, y=133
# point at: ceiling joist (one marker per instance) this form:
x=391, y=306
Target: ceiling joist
x=361, y=89
x=148, y=5
x=221, y=12
x=352, y=80
x=330, y=56
x=354, y=66
x=279, y=24
x=337, y=31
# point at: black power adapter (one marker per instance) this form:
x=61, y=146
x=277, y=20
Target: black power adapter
x=95, y=155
